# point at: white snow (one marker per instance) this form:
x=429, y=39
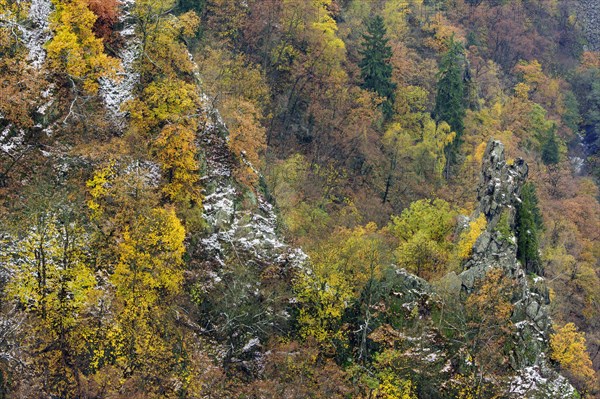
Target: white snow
x=36, y=37
x=530, y=382
x=10, y=140
x=578, y=163
x=117, y=91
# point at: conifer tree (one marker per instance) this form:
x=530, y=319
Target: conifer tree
x=376, y=70
x=550, y=152
x=528, y=225
x=450, y=98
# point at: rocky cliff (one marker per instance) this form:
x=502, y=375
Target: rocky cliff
x=498, y=196
x=588, y=12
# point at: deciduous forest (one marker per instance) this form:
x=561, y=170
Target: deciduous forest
x=254, y=199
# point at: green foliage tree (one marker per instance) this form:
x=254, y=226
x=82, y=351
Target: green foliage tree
x=528, y=226
x=550, y=150
x=450, y=97
x=423, y=231
x=375, y=67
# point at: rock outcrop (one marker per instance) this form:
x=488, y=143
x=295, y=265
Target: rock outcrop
x=588, y=12
x=498, y=197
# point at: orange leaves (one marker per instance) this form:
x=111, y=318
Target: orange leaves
x=107, y=12
x=246, y=135
x=491, y=302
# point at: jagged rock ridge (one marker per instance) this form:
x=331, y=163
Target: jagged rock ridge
x=498, y=196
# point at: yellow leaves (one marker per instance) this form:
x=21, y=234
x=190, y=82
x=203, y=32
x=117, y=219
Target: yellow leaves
x=51, y=278
x=442, y=30
x=97, y=187
x=339, y=270
x=491, y=302
x=325, y=25
x=422, y=256
x=175, y=149
x=74, y=49
x=189, y=23
x=466, y=388
x=392, y=387
x=394, y=14
x=160, y=34
x=434, y=217
x=171, y=105
x=569, y=350
x=163, y=101
x=310, y=23
x=469, y=237
x=543, y=89
x=479, y=152
x=522, y=91
x=150, y=258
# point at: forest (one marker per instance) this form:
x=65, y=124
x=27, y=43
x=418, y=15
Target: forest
x=261, y=199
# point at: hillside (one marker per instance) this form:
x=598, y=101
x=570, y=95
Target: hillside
x=386, y=199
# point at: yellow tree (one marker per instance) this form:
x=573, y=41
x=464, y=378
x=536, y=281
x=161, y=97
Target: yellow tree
x=340, y=269
x=175, y=150
x=162, y=34
x=424, y=233
x=569, y=350
x=55, y=286
x=74, y=49
x=166, y=114
x=147, y=276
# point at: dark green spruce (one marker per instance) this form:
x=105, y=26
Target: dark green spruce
x=375, y=67
x=528, y=226
x=450, y=102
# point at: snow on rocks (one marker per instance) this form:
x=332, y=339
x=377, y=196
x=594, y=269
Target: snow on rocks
x=11, y=139
x=117, y=91
x=38, y=33
x=240, y=221
x=536, y=382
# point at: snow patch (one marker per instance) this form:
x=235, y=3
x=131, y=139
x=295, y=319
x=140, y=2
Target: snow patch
x=116, y=92
x=39, y=33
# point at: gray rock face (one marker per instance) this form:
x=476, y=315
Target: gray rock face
x=240, y=223
x=588, y=12
x=498, y=196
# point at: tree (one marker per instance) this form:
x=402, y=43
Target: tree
x=569, y=350
x=376, y=70
x=450, y=97
x=550, y=150
x=423, y=232
x=75, y=50
x=341, y=268
x=107, y=12
x=528, y=225
x=55, y=286
x=175, y=149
